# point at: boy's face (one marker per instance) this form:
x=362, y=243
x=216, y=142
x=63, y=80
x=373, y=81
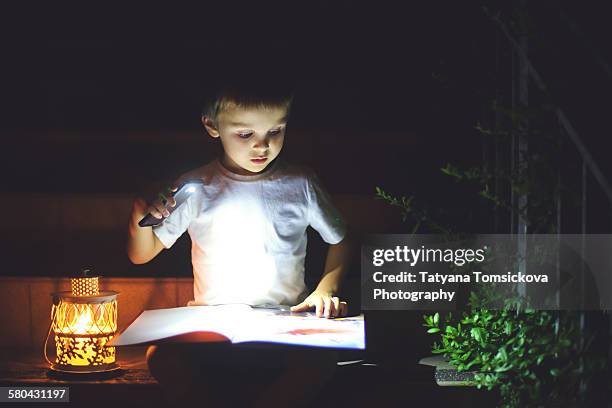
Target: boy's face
x=251, y=137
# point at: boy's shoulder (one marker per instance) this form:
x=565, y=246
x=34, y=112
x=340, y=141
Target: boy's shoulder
x=205, y=173
x=297, y=171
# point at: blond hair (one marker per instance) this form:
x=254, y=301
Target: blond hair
x=256, y=94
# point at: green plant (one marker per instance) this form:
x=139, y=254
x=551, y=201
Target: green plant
x=535, y=358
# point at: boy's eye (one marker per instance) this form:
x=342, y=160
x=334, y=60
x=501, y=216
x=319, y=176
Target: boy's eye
x=275, y=131
x=244, y=135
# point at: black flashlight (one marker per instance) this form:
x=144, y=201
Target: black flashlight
x=180, y=195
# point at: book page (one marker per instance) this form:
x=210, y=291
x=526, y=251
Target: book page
x=306, y=329
x=241, y=323
x=158, y=324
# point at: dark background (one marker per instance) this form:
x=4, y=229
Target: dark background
x=106, y=101
x=371, y=74
x=101, y=104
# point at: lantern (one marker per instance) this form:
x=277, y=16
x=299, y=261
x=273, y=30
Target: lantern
x=83, y=321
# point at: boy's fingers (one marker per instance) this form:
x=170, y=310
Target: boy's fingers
x=343, y=309
x=170, y=191
x=176, y=184
x=163, y=211
x=300, y=307
x=167, y=197
x=155, y=213
x=336, y=305
x=319, y=307
x=162, y=199
x=328, y=308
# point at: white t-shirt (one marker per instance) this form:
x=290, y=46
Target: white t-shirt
x=248, y=233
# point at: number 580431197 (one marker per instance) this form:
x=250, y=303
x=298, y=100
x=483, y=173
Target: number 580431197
x=33, y=393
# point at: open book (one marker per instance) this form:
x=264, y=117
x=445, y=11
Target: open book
x=240, y=324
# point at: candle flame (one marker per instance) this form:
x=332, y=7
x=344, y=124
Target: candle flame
x=84, y=324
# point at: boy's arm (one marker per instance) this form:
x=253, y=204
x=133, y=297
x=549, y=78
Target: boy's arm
x=142, y=244
x=336, y=264
x=324, y=298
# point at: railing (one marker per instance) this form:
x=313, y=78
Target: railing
x=523, y=72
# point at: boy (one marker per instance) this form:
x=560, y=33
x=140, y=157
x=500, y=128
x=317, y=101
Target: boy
x=248, y=226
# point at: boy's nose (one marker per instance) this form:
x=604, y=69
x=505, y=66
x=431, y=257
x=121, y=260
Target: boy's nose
x=262, y=143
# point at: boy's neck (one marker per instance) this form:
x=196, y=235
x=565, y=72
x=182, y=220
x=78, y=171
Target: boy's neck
x=232, y=167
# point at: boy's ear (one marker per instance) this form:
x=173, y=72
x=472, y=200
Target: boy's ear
x=210, y=127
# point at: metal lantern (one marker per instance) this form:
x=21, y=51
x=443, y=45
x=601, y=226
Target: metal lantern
x=83, y=321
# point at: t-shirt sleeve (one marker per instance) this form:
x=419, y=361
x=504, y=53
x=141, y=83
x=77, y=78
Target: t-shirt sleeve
x=323, y=215
x=177, y=222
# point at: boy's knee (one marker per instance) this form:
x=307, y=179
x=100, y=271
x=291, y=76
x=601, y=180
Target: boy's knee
x=155, y=360
x=151, y=355
x=167, y=360
x=170, y=365
x=150, y=352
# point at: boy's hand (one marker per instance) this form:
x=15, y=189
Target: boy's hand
x=157, y=208
x=326, y=305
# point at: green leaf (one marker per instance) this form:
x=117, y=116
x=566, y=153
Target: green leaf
x=502, y=354
x=503, y=369
x=433, y=330
x=472, y=363
x=436, y=318
x=477, y=334
x=555, y=372
x=447, y=170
